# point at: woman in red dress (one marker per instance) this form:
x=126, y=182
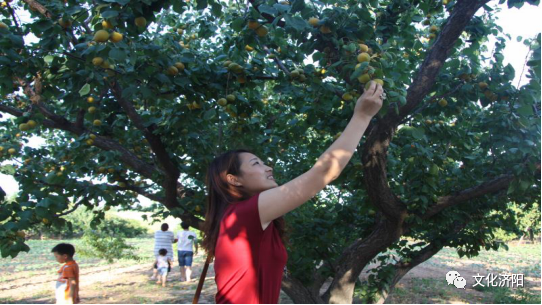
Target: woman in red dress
x=244, y=225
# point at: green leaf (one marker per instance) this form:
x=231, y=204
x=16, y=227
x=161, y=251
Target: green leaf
x=117, y=54
x=127, y=93
x=110, y=14
x=268, y=10
x=237, y=24
x=525, y=110
x=84, y=90
x=418, y=133
x=433, y=171
x=296, y=22
x=121, y=2
x=202, y=4
x=209, y=114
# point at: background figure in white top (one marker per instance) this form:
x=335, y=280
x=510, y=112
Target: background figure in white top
x=163, y=239
x=187, y=239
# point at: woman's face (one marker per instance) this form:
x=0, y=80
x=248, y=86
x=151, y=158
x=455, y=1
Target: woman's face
x=255, y=175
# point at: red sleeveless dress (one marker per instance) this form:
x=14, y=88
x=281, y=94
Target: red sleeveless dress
x=249, y=262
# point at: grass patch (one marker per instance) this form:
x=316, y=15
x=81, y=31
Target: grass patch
x=505, y=295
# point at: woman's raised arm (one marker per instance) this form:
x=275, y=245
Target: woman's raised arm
x=278, y=201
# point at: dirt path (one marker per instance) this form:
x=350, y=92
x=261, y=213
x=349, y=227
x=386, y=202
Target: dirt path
x=132, y=284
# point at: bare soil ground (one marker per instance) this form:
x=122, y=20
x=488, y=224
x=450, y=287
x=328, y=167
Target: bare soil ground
x=120, y=283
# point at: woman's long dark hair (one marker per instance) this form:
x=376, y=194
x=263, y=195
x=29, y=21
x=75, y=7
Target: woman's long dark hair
x=221, y=194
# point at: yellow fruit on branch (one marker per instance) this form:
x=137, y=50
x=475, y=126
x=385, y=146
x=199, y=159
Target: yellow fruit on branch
x=24, y=127
x=314, y=21
x=64, y=23
x=222, y=102
x=363, y=57
x=379, y=81
x=180, y=31
x=90, y=99
x=363, y=48
x=347, y=96
x=364, y=78
x=31, y=124
x=172, y=71
x=115, y=37
x=12, y=151
x=482, y=85
x=90, y=142
x=97, y=61
x=325, y=29
x=101, y=36
x=252, y=24
x=249, y=48
x=376, y=80
x=433, y=29
x=262, y=31
x=106, y=24
x=97, y=123
x=465, y=77
x=105, y=65
x=140, y=22
x=443, y=102
x=230, y=98
x=179, y=65
x=91, y=110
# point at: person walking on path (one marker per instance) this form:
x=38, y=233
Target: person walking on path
x=187, y=241
x=244, y=225
x=163, y=239
x=163, y=264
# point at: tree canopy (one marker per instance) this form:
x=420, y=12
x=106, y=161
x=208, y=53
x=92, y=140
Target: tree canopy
x=137, y=97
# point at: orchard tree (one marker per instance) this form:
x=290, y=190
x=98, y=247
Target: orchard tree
x=137, y=97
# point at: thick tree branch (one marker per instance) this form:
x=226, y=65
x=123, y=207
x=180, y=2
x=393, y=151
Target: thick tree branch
x=357, y=256
x=378, y=140
x=497, y=184
x=461, y=15
x=168, y=165
x=35, y=5
x=298, y=292
x=402, y=268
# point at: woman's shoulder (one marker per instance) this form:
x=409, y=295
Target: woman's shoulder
x=249, y=201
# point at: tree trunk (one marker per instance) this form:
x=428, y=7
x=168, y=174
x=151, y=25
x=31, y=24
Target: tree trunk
x=357, y=256
x=299, y=293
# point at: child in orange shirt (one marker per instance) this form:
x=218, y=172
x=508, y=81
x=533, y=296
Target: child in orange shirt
x=67, y=284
